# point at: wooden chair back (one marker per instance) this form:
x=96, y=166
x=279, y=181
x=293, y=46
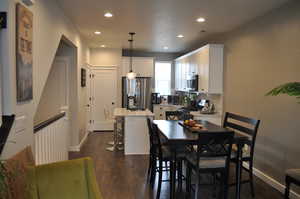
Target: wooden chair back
x=178, y=115
x=215, y=146
x=242, y=124
x=155, y=143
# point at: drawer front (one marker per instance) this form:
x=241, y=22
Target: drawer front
x=158, y=112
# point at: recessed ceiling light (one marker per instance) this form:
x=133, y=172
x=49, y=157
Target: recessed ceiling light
x=201, y=19
x=103, y=46
x=108, y=14
x=97, y=32
x=166, y=47
x=180, y=36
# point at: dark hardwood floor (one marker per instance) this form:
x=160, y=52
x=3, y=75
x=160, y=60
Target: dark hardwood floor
x=124, y=177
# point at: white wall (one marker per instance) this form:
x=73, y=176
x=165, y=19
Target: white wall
x=49, y=26
x=259, y=56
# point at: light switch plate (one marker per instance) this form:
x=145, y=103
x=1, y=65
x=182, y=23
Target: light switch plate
x=28, y=2
x=20, y=124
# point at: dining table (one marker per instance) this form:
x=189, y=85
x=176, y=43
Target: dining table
x=175, y=135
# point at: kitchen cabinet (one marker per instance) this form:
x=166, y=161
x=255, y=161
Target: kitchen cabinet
x=183, y=70
x=207, y=62
x=142, y=66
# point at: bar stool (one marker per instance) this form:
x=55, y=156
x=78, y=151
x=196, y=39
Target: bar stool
x=118, y=135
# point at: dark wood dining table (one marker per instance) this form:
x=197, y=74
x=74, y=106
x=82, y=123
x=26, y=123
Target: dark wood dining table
x=175, y=136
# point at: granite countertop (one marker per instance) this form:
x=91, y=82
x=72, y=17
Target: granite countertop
x=123, y=112
x=198, y=114
x=174, y=105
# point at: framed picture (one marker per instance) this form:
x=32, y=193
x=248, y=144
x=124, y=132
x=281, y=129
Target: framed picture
x=3, y=20
x=83, y=77
x=24, y=57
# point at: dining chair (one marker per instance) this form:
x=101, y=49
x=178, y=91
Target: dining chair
x=249, y=127
x=161, y=154
x=178, y=115
x=173, y=115
x=212, y=156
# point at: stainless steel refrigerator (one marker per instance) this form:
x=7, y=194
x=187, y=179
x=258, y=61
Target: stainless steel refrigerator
x=140, y=90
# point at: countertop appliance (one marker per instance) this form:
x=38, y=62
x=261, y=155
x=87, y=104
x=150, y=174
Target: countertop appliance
x=155, y=98
x=173, y=99
x=136, y=95
x=206, y=106
x=192, y=82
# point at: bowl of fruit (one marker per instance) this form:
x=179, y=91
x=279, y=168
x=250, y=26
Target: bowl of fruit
x=193, y=125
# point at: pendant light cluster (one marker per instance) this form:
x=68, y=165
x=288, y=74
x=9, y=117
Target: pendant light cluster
x=131, y=75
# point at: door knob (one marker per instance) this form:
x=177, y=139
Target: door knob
x=88, y=105
x=113, y=103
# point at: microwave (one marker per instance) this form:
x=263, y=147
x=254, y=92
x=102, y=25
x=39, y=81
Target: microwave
x=192, y=83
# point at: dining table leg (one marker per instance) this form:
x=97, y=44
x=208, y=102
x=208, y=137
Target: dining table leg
x=173, y=175
x=239, y=169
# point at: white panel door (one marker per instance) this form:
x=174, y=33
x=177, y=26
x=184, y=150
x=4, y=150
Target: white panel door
x=104, y=96
x=89, y=99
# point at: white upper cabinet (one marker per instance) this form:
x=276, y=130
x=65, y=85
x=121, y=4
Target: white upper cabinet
x=142, y=66
x=207, y=62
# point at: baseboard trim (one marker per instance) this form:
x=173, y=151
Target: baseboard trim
x=77, y=148
x=272, y=182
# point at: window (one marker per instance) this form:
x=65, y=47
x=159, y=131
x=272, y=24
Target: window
x=163, y=77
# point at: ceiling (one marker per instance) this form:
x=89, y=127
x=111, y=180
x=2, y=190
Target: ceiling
x=158, y=22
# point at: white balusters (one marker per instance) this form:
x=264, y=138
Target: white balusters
x=51, y=142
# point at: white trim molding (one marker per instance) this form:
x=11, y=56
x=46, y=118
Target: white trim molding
x=272, y=182
x=77, y=148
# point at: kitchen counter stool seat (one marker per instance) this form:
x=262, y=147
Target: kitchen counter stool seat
x=292, y=176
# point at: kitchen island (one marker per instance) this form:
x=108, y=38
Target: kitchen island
x=136, y=138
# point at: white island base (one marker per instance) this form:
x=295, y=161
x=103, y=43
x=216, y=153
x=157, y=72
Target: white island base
x=136, y=136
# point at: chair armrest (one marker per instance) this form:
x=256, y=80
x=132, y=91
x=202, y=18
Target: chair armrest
x=30, y=187
x=92, y=181
x=72, y=179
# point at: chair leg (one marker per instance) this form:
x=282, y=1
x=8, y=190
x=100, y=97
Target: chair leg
x=149, y=167
x=153, y=171
x=251, y=180
x=159, y=179
x=287, y=188
x=188, y=181
x=222, y=185
x=226, y=185
x=197, y=191
x=214, y=185
x=236, y=173
x=180, y=175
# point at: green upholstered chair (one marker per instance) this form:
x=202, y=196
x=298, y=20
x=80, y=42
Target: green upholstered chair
x=72, y=179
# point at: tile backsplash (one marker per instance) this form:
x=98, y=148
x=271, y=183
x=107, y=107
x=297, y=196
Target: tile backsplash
x=217, y=99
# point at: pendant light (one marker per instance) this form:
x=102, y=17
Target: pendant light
x=131, y=75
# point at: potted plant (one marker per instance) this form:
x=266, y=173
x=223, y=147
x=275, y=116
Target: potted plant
x=6, y=176
x=291, y=89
